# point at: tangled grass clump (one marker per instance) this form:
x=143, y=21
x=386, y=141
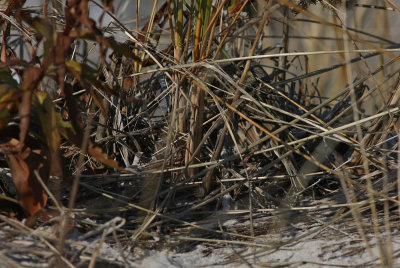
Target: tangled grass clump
x=208, y=109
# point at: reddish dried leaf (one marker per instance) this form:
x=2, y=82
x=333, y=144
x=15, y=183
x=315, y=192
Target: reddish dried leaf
x=31, y=194
x=235, y=6
x=40, y=217
x=108, y=4
x=97, y=153
x=99, y=102
x=133, y=99
x=72, y=12
x=32, y=77
x=13, y=6
x=6, y=33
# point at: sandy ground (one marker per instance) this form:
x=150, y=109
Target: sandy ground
x=315, y=242
x=311, y=251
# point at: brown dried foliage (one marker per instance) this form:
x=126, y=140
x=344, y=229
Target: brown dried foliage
x=31, y=149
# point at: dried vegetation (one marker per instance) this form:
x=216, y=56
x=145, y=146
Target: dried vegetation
x=214, y=122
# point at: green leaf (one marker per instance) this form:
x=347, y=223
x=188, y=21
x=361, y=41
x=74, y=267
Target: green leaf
x=64, y=124
x=87, y=76
x=7, y=78
x=44, y=108
x=41, y=26
x=4, y=117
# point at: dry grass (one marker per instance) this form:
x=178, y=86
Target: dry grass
x=279, y=119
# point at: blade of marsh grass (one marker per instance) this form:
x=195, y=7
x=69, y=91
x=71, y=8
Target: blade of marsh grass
x=285, y=44
x=178, y=30
x=393, y=5
x=207, y=4
x=211, y=27
x=228, y=30
x=149, y=30
x=372, y=53
x=189, y=32
x=356, y=116
x=197, y=96
x=221, y=137
x=136, y=51
x=385, y=40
